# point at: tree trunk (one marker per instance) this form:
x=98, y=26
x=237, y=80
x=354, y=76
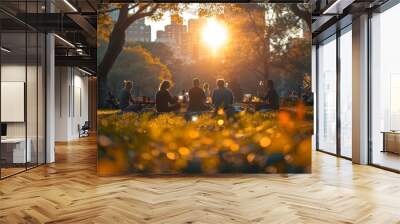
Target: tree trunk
x=115, y=46
x=267, y=59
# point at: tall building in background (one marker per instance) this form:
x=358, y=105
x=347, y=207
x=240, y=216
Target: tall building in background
x=139, y=31
x=175, y=36
x=195, y=48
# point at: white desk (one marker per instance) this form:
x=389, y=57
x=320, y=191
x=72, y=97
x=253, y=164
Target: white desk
x=17, y=146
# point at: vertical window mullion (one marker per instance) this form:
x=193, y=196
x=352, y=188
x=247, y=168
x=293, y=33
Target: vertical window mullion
x=37, y=89
x=338, y=80
x=0, y=93
x=26, y=86
x=317, y=97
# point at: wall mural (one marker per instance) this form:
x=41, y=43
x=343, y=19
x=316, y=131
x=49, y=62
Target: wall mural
x=190, y=88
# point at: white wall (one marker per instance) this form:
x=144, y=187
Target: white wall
x=71, y=102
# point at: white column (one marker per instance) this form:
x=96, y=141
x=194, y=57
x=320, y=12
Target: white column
x=360, y=90
x=50, y=100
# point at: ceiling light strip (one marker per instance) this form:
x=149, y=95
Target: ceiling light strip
x=65, y=41
x=84, y=71
x=5, y=50
x=70, y=5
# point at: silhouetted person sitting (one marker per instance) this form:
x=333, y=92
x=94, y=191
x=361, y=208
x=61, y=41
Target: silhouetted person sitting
x=271, y=98
x=126, y=101
x=234, y=85
x=222, y=97
x=112, y=101
x=164, y=101
x=197, y=97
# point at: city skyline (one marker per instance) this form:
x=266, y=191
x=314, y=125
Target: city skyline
x=166, y=20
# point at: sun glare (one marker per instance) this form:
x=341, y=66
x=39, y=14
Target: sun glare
x=215, y=34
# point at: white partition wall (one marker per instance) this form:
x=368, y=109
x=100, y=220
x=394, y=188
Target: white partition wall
x=71, y=102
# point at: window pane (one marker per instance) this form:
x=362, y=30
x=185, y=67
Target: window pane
x=31, y=97
x=346, y=94
x=14, y=153
x=41, y=99
x=327, y=96
x=385, y=84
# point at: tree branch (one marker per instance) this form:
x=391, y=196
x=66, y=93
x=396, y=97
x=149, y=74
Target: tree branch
x=140, y=14
x=104, y=11
x=302, y=14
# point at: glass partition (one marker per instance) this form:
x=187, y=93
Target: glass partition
x=14, y=151
x=31, y=97
x=41, y=96
x=22, y=90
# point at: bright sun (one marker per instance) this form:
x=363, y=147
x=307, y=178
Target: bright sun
x=215, y=34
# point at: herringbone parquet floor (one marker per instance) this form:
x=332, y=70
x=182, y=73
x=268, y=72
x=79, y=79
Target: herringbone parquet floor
x=69, y=191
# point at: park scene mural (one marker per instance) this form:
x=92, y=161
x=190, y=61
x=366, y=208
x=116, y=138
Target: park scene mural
x=190, y=88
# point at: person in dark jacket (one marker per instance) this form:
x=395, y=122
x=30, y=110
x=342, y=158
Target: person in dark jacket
x=271, y=98
x=126, y=101
x=222, y=97
x=164, y=101
x=197, y=97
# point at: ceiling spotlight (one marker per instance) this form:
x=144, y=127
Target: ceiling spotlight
x=70, y=5
x=5, y=50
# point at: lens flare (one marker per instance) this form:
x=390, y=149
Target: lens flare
x=215, y=34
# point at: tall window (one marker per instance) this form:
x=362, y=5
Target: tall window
x=327, y=95
x=385, y=88
x=346, y=93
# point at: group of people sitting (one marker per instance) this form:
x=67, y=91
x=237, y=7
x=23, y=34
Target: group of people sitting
x=221, y=97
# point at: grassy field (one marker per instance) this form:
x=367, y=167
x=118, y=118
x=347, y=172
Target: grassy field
x=272, y=142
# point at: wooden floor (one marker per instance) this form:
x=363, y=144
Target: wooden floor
x=70, y=192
